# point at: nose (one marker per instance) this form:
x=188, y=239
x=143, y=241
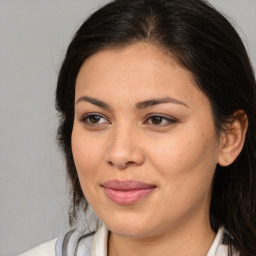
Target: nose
x=124, y=149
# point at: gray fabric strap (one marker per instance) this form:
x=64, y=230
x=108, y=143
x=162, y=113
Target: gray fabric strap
x=81, y=238
x=71, y=244
x=66, y=242
x=58, y=245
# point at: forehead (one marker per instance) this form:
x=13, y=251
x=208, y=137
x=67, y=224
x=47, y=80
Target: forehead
x=139, y=71
x=139, y=56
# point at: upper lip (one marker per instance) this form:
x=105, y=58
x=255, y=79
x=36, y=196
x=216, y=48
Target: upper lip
x=126, y=185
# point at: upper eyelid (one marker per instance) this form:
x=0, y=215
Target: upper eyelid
x=161, y=115
x=93, y=114
x=158, y=114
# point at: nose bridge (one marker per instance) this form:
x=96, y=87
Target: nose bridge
x=124, y=147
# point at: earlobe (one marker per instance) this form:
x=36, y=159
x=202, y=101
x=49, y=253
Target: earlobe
x=232, y=139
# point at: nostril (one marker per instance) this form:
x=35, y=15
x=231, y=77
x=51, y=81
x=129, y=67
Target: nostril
x=129, y=163
x=110, y=163
x=124, y=157
x=121, y=165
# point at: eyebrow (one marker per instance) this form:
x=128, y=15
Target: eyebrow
x=139, y=105
x=94, y=101
x=153, y=102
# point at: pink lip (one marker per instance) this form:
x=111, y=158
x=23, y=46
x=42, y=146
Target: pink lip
x=128, y=191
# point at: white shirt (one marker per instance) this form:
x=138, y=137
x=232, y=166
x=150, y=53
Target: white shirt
x=96, y=245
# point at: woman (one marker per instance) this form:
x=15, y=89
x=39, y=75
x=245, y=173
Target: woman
x=157, y=102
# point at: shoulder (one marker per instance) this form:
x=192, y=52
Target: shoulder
x=45, y=249
x=74, y=242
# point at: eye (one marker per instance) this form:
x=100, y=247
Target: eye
x=94, y=119
x=159, y=120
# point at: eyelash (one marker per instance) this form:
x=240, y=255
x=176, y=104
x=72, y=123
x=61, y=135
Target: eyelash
x=86, y=117
x=168, y=120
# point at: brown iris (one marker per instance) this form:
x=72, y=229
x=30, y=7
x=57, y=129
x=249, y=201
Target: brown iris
x=156, y=119
x=94, y=119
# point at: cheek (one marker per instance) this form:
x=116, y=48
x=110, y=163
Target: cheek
x=84, y=156
x=186, y=162
x=86, y=153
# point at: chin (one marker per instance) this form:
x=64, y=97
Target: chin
x=128, y=230
x=129, y=226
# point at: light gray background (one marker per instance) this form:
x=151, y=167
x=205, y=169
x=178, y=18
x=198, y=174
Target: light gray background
x=33, y=39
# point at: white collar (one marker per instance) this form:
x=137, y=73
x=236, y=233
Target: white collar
x=100, y=242
x=217, y=248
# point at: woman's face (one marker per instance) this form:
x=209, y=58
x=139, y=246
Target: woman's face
x=143, y=141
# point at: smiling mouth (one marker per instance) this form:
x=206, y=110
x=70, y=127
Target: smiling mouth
x=128, y=191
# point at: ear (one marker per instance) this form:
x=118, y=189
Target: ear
x=232, y=139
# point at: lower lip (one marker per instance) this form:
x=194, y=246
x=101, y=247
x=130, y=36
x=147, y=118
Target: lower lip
x=127, y=197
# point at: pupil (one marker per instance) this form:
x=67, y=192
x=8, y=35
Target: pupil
x=94, y=119
x=157, y=120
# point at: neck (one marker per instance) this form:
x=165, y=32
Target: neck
x=182, y=241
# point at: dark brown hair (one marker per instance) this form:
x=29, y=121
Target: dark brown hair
x=205, y=43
